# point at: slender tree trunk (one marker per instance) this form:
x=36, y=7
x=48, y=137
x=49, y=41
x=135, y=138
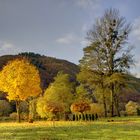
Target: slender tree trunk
x=105, y=107
x=104, y=100
x=112, y=100
x=117, y=105
x=18, y=111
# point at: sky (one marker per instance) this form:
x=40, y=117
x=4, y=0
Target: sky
x=58, y=28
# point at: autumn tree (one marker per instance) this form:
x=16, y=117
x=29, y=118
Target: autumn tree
x=20, y=80
x=49, y=109
x=60, y=91
x=80, y=107
x=108, y=51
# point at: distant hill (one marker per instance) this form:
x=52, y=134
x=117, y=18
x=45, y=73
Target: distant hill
x=133, y=92
x=48, y=66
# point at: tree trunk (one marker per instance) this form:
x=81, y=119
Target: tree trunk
x=18, y=111
x=105, y=108
x=117, y=105
x=112, y=100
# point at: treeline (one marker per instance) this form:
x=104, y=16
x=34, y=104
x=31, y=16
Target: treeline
x=63, y=100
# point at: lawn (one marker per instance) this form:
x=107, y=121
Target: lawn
x=126, y=128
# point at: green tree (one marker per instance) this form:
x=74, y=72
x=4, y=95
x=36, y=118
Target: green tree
x=108, y=51
x=60, y=91
x=96, y=81
x=82, y=93
x=49, y=109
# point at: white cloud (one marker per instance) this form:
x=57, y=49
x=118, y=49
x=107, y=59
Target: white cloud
x=7, y=48
x=68, y=39
x=72, y=39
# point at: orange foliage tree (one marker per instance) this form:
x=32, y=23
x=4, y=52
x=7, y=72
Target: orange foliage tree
x=20, y=80
x=80, y=107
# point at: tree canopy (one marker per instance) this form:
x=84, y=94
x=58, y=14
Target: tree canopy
x=20, y=80
x=108, y=55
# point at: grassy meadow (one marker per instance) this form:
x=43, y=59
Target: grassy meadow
x=125, y=128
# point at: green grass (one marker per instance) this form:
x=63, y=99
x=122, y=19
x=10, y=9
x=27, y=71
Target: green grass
x=126, y=128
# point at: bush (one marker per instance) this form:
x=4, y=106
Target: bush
x=131, y=108
x=4, y=119
x=23, y=116
x=5, y=108
x=13, y=116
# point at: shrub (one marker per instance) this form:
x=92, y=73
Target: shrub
x=23, y=116
x=13, y=115
x=5, y=108
x=131, y=108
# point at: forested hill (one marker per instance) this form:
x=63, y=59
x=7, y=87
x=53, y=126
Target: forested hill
x=47, y=66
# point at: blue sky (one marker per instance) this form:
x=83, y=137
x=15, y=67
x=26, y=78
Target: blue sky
x=58, y=27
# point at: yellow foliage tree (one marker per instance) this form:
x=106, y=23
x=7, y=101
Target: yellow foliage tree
x=20, y=80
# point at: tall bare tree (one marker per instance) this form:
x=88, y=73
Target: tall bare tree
x=108, y=52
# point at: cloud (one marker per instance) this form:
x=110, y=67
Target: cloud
x=72, y=39
x=68, y=39
x=7, y=48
